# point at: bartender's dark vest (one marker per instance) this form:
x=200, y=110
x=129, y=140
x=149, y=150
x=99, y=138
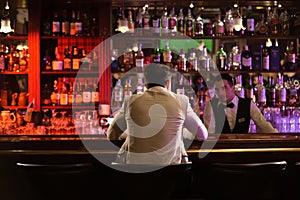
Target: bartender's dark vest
x=242, y=117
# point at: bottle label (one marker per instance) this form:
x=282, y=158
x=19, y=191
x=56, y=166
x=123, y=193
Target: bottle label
x=76, y=63
x=67, y=63
x=219, y=30
x=172, y=24
x=57, y=65
x=281, y=95
x=146, y=23
x=261, y=95
x=70, y=98
x=247, y=62
x=118, y=96
x=95, y=96
x=180, y=25
x=198, y=28
x=266, y=62
x=164, y=23
x=55, y=27
x=86, y=97
x=65, y=29
x=63, y=99
x=78, y=98
x=155, y=23
x=250, y=25
x=72, y=29
x=139, y=62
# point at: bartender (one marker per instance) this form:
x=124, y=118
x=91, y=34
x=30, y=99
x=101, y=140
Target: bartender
x=228, y=113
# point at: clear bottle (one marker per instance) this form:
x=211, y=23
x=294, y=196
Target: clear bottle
x=280, y=91
x=140, y=86
x=261, y=92
x=180, y=22
x=204, y=60
x=235, y=58
x=193, y=62
x=246, y=58
x=218, y=26
x=118, y=92
x=189, y=24
x=229, y=22
x=139, y=59
x=239, y=89
x=164, y=22
x=180, y=89
x=173, y=22
x=221, y=58
x=146, y=19
x=182, y=61
x=127, y=88
x=198, y=25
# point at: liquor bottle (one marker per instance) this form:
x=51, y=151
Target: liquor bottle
x=189, y=24
x=284, y=23
x=140, y=86
x=246, y=58
x=249, y=22
x=289, y=57
x=261, y=27
x=180, y=88
x=139, y=59
x=78, y=94
x=139, y=22
x=238, y=28
x=86, y=25
x=131, y=23
x=193, y=62
x=265, y=59
x=47, y=61
x=198, y=25
x=146, y=19
x=71, y=99
x=85, y=61
x=65, y=23
x=182, y=61
x=95, y=94
x=76, y=58
x=23, y=64
x=180, y=22
x=78, y=25
x=117, y=22
x=86, y=93
x=221, y=59
x=73, y=24
x=261, y=92
x=172, y=22
x=118, y=95
x=156, y=55
x=249, y=89
x=167, y=54
x=280, y=91
x=229, y=22
x=64, y=94
x=3, y=58
x=218, y=26
x=128, y=61
x=204, y=60
x=46, y=95
x=274, y=22
x=239, y=89
x=13, y=59
x=156, y=23
x=292, y=92
x=235, y=58
x=164, y=20
x=94, y=27
x=67, y=63
x=57, y=64
x=271, y=92
x=56, y=25
x=55, y=96
x=127, y=88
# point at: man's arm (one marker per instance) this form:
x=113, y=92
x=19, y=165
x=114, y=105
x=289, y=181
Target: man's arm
x=118, y=126
x=262, y=125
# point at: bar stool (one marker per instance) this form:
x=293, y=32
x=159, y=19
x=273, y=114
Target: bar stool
x=222, y=181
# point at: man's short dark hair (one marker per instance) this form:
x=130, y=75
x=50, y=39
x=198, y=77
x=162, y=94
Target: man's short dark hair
x=157, y=74
x=226, y=77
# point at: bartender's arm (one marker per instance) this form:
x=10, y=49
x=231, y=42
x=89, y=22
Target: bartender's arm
x=262, y=125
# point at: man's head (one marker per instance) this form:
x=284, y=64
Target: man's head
x=224, y=88
x=157, y=74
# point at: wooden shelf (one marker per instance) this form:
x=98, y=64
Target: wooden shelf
x=14, y=73
x=70, y=37
x=14, y=107
x=14, y=37
x=69, y=73
x=79, y=107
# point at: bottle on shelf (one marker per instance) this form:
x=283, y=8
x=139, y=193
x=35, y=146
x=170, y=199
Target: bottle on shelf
x=274, y=51
x=221, y=57
x=131, y=24
x=67, y=63
x=156, y=57
x=180, y=88
x=78, y=25
x=78, y=94
x=127, y=88
x=238, y=28
x=180, y=22
x=57, y=63
x=289, y=57
x=55, y=95
x=198, y=25
x=167, y=54
x=13, y=59
x=85, y=62
x=249, y=90
x=56, y=25
x=274, y=21
x=182, y=61
x=271, y=92
x=156, y=22
x=71, y=99
x=65, y=23
x=76, y=58
x=239, y=88
x=86, y=24
x=284, y=23
x=139, y=59
x=249, y=21
x=246, y=58
x=46, y=95
x=189, y=24
x=164, y=20
x=23, y=63
x=204, y=60
x=261, y=27
x=146, y=20
x=292, y=86
x=261, y=92
x=218, y=26
x=140, y=86
x=64, y=93
x=95, y=99
x=47, y=61
x=118, y=93
x=193, y=62
x=139, y=21
x=172, y=22
x=280, y=91
x=229, y=22
x=73, y=24
x=3, y=58
x=235, y=58
x=86, y=93
x=265, y=59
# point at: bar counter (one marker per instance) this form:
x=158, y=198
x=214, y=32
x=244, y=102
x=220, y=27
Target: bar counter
x=66, y=167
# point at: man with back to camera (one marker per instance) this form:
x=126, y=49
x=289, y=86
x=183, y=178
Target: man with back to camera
x=229, y=113
x=154, y=122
